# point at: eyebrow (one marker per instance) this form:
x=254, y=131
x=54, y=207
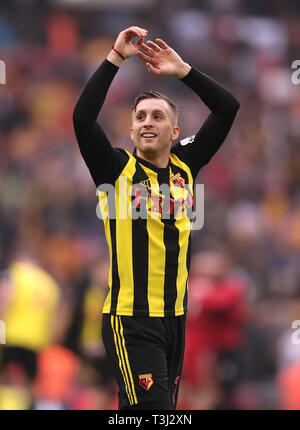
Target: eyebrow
x=154, y=111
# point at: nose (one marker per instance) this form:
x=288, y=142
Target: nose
x=148, y=121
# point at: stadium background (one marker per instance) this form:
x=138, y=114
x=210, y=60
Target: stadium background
x=241, y=353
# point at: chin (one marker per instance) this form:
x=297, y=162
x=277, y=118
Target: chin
x=147, y=146
x=149, y=150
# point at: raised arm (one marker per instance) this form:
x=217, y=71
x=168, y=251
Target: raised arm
x=102, y=159
x=211, y=135
x=162, y=60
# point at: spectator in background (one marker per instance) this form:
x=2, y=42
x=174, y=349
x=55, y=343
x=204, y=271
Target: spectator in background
x=56, y=379
x=215, y=330
x=91, y=349
x=288, y=363
x=31, y=300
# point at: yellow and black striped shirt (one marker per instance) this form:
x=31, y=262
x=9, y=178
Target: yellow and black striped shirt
x=150, y=254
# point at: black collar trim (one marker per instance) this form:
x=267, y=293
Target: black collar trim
x=150, y=165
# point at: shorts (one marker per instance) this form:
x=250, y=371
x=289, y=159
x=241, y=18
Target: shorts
x=147, y=357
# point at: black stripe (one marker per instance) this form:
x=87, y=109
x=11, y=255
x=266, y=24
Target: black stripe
x=115, y=288
x=140, y=249
x=188, y=263
x=171, y=236
x=188, y=254
x=184, y=174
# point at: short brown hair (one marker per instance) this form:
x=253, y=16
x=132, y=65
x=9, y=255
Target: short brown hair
x=155, y=95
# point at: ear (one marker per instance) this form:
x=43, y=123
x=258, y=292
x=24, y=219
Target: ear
x=175, y=132
x=131, y=133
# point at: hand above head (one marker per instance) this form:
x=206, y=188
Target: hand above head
x=124, y=48
x=162, y=60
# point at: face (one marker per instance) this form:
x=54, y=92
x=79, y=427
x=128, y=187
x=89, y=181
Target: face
x=153, y=127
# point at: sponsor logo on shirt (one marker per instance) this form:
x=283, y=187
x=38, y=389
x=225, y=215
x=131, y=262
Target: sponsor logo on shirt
x=187, y=140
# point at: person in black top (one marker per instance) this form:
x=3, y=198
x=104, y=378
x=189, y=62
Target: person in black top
x=143, y=325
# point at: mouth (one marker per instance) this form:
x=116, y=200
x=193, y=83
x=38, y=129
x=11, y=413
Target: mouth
x=148, y=136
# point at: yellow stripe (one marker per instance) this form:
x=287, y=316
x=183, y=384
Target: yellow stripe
x=121, y=362
x=156, y=246
x=183, y=240
x=123, y=356
x=175, y=160
x=182, y=273
x=124, y=235
x=127, y=362
x=103, y=206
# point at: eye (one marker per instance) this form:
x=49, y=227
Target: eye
x=140, y=117
x=157, y=116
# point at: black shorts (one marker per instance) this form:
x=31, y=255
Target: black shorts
x=147, y=356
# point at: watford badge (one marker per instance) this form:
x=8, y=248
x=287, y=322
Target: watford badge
x=146, y=381
x=177, y=180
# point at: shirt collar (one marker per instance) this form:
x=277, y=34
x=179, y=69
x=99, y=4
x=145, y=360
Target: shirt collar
x=150, y=165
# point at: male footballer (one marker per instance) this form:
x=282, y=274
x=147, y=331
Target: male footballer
x=143, y=326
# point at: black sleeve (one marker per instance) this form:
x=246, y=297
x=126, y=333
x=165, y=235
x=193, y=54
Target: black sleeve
x=197, y=150
x=104, y=162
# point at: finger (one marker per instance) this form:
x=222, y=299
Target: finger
x=138, y=28
x=140, y=31
x=140, y=41
x=162, y=43
x=129, y=35
x=153, y=45
x=152, y=69
x=135, y=31
x=144, y=56
x=147, y=49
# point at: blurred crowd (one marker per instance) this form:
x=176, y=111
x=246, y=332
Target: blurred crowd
x=244, y=284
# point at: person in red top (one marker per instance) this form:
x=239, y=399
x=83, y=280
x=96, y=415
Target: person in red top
x=215, y=327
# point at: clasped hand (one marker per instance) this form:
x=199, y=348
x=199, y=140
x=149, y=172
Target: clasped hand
x=160, y=59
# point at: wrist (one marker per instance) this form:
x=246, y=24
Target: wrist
x=115, y=58
x=118, y=52
x=184, y=70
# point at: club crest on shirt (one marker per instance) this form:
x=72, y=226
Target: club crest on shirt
x=154, y=200
x=177, y=180
x=146, y=381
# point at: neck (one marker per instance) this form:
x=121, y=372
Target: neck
x=158, y=160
